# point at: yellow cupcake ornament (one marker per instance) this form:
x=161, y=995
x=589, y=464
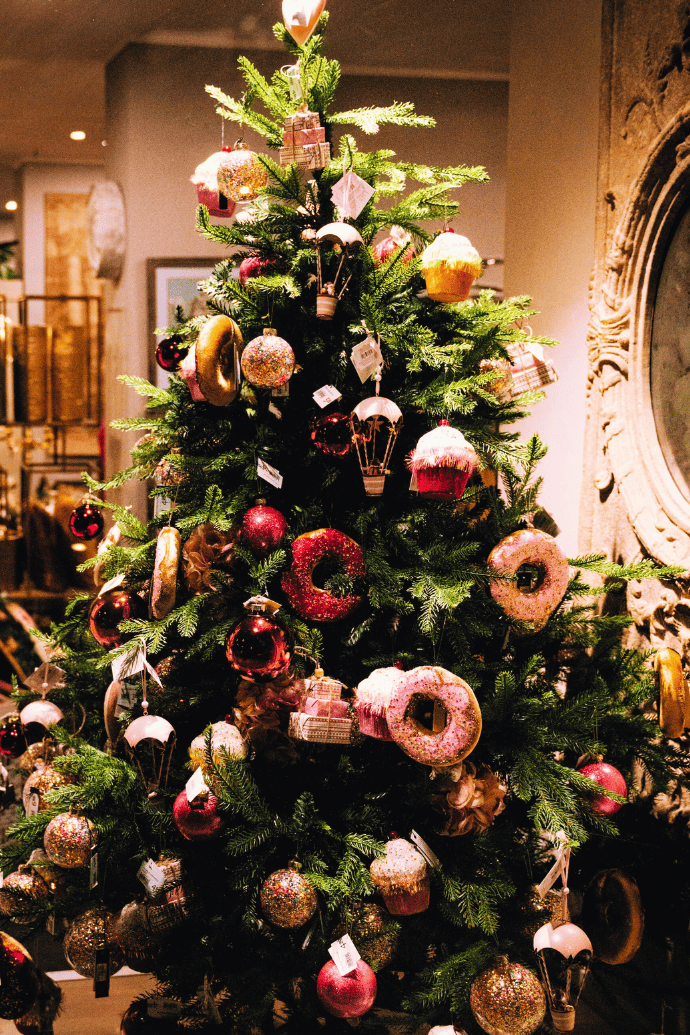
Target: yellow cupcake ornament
x=450, y=265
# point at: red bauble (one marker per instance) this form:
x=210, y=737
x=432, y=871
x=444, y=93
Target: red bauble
x=18, y=979
x=263, y=528
x=348, y=996
x=169, y=354
x=332, y=434
x=86, y=522
x=256, y=266
x=107, y=611
x=385, y=248
x=12, y=739
x=606, y=776
x=259, y=648
x=198, y=820
x=146, y=1017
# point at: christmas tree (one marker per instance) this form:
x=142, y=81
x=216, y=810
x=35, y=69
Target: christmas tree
x=381, y=690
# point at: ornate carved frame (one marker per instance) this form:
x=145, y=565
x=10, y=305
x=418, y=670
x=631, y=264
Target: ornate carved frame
x=619, y=342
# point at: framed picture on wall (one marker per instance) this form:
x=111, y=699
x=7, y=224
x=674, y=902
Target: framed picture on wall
x=173, y=283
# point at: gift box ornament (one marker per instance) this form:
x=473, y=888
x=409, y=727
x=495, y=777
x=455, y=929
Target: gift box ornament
x=443, y=462
x=530, y=370
x=323, y=714
x=304, y=140
x=205, y=179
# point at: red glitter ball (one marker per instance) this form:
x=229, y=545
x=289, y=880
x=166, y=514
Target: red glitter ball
x=308, y=551
x=606, y=776
x=198, y=820
x=256, y=266
x=263, y=528
x=350, y=995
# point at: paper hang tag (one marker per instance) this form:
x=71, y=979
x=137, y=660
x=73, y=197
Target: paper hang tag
x=195, y=785
x=132, y=663
x=350, y=194
x=414, y=487
x=422, y=847
x=366, y=357
x=93, y=869
x=161, y=1009
x=32, y=804
x=208, y=1004
x=345, y=955
x=269, y=474
x=151, y=876
x=51, y=924
x=326, y=395
x=282, y=391
x=2, y=878
x=112, y=584
x=101, y=974
x=272, y=408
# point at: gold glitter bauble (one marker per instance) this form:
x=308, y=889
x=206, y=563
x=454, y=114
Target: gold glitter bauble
x=40, y=753
x=288, y=899
x=138, y=943
x=42, y=780
x=93, y=930
x=535, y=912
x=507, y=999
x=56, y=879
x=241, y=176
x=18, y=978
x=68, y=840
x=374, y=933
x=21, y=893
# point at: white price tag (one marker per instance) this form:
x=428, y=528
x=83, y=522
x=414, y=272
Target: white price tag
x=195, y=785
x=51, y=924
x=351, y=193
x=269, y=474
x=163, y=1009
x=345, y=955
x=112, y=584
x=2, y=878
x=282, y=391
x=151, y=876
x=272, y=408
x=93, y=871
x=326, y=395
x=421, y=846
x=366, y=357
x=129, y=694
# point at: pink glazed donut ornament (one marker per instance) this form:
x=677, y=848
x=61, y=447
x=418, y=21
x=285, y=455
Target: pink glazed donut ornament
x=431, y=684
x=534, y=547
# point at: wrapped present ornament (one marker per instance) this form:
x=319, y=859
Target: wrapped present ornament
x=205, y=179
x=529, y=369
x=443, y=462
x=304, y=140
x=323, y=715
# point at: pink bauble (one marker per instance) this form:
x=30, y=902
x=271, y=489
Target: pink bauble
x=606, y=776
x=349, y=996
x=398, y=239
x=263, y=529
x=256, y=266
x=198, y=820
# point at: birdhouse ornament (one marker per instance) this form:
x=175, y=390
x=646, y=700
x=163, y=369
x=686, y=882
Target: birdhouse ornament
x=443, y=462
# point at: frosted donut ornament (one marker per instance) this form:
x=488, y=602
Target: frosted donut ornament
x=674, y=708
x=423, y=689
x=165, y=569
x=212, y=366
x=309, y=550
x=541, y=551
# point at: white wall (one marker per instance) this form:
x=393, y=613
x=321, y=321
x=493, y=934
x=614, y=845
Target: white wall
x=550, y=215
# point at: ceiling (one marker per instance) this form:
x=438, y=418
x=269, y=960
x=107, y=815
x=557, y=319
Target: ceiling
x=53, y=55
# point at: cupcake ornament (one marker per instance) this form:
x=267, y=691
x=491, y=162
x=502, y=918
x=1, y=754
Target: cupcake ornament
x=402, y=877
x=450, y=265
x=443, y=461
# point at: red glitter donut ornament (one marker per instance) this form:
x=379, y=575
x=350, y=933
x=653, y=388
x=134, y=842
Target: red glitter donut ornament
x=308, y=551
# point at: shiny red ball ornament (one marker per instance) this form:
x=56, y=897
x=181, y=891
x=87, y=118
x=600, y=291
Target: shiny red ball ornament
x=606, y=776
x=12, y=738
x=259, y=648
x=348, y=996
x=332, y=434
x=108, y=610
x=18, y=979
x=169, y=354
x=86, y=522
x=263, y=529
x=256, y=266
x=198, y=820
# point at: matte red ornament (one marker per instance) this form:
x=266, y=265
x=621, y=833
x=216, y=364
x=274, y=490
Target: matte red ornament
x=86, y=521
x=263, y=529
x=169, y=354
x=256, y=266
x=259, y=648
x=348, y=996
x=108, y=610
x=332, y=434
x=198, y=820
x=606, y=776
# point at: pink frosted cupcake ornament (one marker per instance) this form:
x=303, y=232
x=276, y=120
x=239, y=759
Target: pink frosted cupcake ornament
x=402, y=877
x=450, y=265
x=372, y=697
x=443, y=461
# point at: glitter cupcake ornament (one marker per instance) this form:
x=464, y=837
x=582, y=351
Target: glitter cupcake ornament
x=268, y=361
x=402, y=877
x=450, y=265
x=443, y=462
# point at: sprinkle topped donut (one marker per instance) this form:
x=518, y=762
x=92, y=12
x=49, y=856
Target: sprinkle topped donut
x=308, y=551
x=541, y=551
x=430, y=685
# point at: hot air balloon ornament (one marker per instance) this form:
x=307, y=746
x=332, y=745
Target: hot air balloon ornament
x=375, y=423
x=150, y=742
x=349, y=239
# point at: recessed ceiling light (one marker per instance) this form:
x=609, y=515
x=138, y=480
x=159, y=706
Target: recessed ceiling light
x=77, y=134
x=11, y=206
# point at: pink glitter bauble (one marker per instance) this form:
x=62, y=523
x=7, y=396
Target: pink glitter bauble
x=268, y=361
x=256, y=266
x=606, y=776
x=263, y=528
x=346, y=996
